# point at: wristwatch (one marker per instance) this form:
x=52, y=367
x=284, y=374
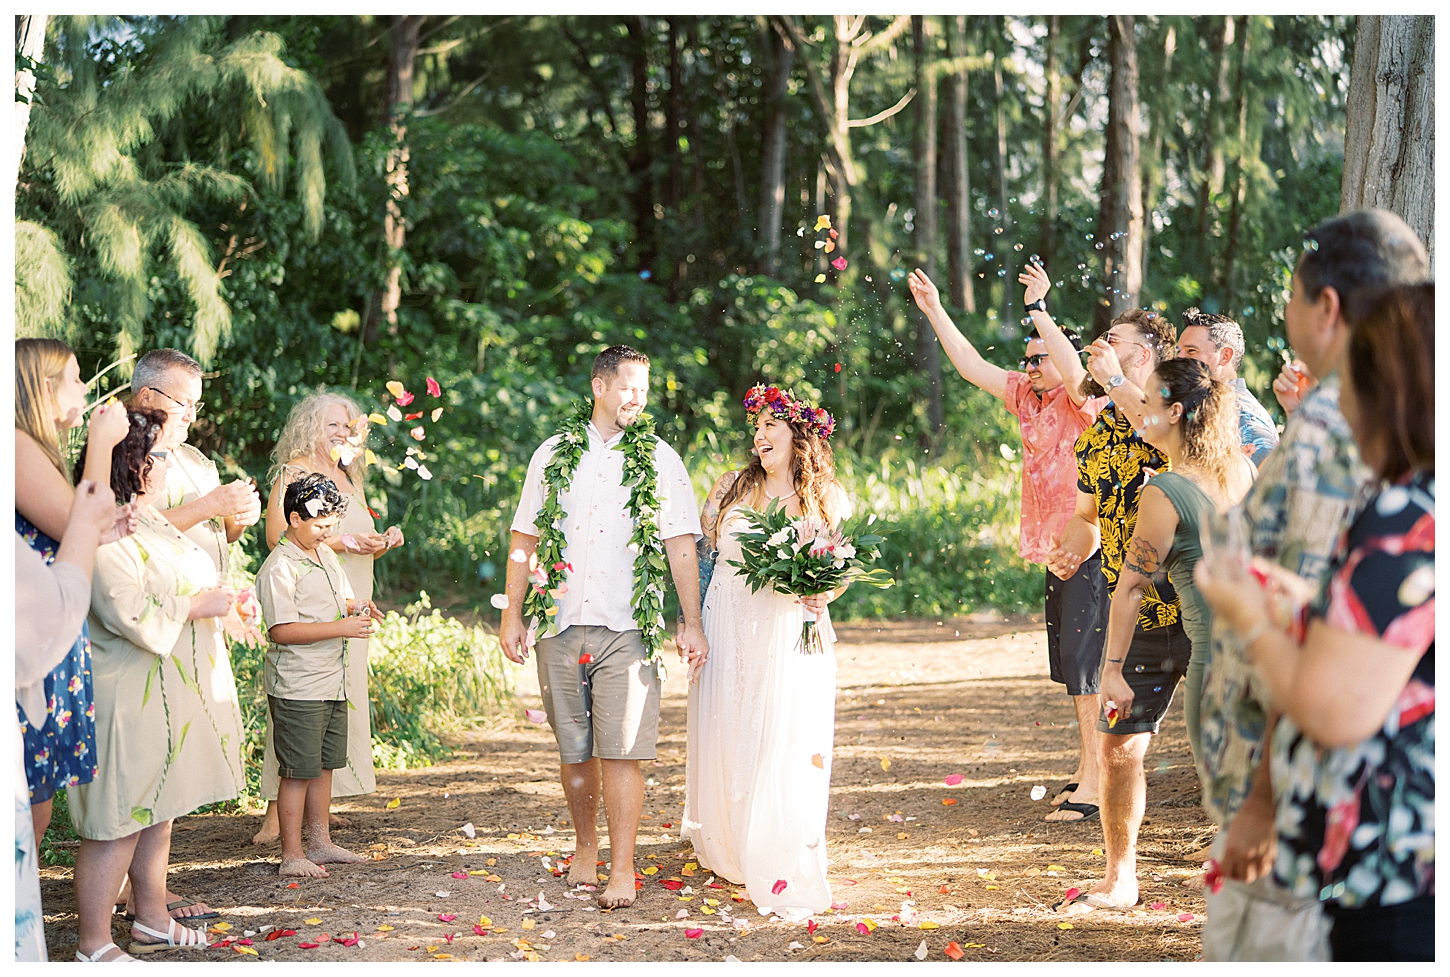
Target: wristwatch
x=1116, y=380
x=1038, y=306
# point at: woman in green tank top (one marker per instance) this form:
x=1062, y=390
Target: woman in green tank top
x=1193, y=419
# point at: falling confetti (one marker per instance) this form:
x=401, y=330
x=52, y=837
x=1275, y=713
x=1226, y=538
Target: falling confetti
x=500, y=601
x=433, y=389
x=838, y=368
x=437, y=413
x=823, y=222
x=820, y=278
x=839, y=264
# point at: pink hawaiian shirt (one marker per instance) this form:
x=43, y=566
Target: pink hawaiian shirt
x=1050, y=427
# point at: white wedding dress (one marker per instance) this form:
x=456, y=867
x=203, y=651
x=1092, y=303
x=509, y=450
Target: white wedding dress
x=762, y=715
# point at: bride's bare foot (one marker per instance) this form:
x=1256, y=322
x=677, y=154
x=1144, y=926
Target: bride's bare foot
x=270, y=830
x=582, y=867
x=301, y=868
x=619, y=892
x=329, y=852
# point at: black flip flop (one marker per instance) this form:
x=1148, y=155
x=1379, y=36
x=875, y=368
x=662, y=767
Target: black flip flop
x=1066, y=789
x=1089, y=812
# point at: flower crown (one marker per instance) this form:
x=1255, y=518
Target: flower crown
x=784, y=405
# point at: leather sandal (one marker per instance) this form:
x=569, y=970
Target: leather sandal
x=1089, y=812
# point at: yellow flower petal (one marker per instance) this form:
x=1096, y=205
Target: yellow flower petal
x=377, y=418
x=393, y=803
x=395, y=388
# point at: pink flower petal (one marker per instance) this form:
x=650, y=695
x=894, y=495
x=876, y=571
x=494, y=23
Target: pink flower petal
x=404, y=399
x=694, y=934
x=1185, y=917
x=953, y=779
x=778, y=888
x=1071, y=894
x=1158, y=906
x=433, y=389
x=447, y=917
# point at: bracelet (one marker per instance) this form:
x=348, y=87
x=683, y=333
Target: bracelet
x=1256, y=632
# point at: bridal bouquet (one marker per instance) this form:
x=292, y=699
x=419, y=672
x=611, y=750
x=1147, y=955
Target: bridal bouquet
x=804, y=556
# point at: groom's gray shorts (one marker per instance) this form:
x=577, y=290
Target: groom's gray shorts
x=608, y=708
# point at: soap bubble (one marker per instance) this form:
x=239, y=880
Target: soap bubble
x=1001, y=272
x=994, y=213
x=1016, y=247
x=897, y=274
x=644, y=274
x=990, y=256
x=1098, y=246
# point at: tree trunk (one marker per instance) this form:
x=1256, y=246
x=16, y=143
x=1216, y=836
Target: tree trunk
x=1389, y=143
x=958, y=184
x=1120, y=220
x=772, y=167
x=1003, y=223
x=403, y=32
x=640, y=162
x=928, y=351
x=1155, y=164
x=1046, y=239
x=1238, y=181
x=1212, y=178
x=30, y=43
x=672, y=122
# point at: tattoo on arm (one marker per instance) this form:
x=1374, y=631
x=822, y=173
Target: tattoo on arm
x=1142, y=558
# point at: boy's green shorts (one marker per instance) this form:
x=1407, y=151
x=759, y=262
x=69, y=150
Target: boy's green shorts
x=309, y=736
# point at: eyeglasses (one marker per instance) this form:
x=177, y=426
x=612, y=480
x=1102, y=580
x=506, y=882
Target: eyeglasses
x=1114, y=340
x=1033, y=362
x=195, y=408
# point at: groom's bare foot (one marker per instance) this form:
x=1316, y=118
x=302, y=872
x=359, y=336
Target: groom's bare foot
x=301, y=868
x=619, y=893
x=582, y=867
x=328, y=852
x=1118, y=898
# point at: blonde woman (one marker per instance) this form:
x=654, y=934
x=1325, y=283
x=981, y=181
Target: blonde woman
x=326, y=434
x=50, y=398
x=762, y=716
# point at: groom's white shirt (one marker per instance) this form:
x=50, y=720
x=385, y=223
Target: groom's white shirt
x=597, y=526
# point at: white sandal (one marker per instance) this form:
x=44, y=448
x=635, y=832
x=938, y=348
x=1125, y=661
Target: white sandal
x=189, y=938
x=96, y=957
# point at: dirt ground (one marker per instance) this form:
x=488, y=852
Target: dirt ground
x=916, y=701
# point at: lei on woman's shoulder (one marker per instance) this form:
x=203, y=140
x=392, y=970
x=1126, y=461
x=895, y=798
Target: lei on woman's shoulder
x=549, y=573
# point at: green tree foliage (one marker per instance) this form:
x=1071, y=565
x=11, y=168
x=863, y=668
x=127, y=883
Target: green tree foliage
x=581, y=181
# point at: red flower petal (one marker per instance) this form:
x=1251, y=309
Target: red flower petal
x=674, y=885
x=412, y=417
x=309, y=946
x=404, y=399
x=447, y=917
x=586, y=659
x=694, y=934
x=433, y=389
x=778, y=888
x=812, y=926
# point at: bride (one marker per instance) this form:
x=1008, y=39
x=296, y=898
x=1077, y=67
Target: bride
x=762, y=715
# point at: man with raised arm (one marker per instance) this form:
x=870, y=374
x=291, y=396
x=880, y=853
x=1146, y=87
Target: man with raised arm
x=1051, y=412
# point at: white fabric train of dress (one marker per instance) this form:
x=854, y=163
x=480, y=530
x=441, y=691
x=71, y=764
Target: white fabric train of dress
x=755, y=801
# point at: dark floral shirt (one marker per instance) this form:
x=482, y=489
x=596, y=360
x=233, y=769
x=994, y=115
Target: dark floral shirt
x=1357, y=824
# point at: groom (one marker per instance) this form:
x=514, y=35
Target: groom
x=600, y=691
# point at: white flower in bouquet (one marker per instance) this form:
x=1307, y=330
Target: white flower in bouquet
x=780, y=538
x=845, y=551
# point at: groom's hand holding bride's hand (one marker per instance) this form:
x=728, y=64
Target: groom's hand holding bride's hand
x=693, y=648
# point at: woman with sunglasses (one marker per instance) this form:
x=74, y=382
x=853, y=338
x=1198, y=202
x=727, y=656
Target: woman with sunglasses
x=56, y=720
x=168, y=722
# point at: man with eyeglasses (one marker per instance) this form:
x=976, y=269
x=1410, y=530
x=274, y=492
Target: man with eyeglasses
x=211, y=514
x=1217, y=342
x=1052, y=412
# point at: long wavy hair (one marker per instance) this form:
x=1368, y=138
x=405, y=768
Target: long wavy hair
x=1209, y=426
x=36, y=361
x=303, y=432
x=1391, y=356
x=813, y=473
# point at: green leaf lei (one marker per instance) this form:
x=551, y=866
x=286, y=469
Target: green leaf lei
x=550, y=570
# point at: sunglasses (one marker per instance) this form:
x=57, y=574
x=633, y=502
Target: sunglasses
x=1034, y=361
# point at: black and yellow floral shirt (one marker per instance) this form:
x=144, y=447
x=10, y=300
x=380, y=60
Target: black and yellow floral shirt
x=1111, y=460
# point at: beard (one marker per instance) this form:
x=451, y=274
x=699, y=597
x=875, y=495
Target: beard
x=1090, y=387
x=624, y=418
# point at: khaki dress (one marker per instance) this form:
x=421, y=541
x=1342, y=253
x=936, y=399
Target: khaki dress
x=358, y=776
x=168, y=723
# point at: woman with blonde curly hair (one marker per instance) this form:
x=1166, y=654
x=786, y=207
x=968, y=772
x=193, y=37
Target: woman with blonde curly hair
x=1193, y=419
x=762, y=715
x=326, y=434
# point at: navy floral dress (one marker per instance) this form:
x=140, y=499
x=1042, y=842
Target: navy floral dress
x=1357, y=824
x=62, y=753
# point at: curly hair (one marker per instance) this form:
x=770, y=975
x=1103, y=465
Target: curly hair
x=303, y=432
x=36, y=361
x=1160, y=335
x=312, y=488
x=813, y=472
x=131, y=459
x=1209, y=426
x=1391, y=356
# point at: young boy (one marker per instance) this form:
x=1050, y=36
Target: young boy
x=310, y=614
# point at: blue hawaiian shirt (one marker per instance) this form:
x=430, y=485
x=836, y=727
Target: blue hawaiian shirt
x=1256, y=428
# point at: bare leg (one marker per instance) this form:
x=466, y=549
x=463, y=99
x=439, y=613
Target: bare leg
x=1124, y=794
x=270, y=829
x=1089, y=768
x=623, y=804
x=180, y=912
x=40, y=819
x=581, y=789
x=292, y=796
x=148, y=879
x=320, y=848
x=100, y=867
